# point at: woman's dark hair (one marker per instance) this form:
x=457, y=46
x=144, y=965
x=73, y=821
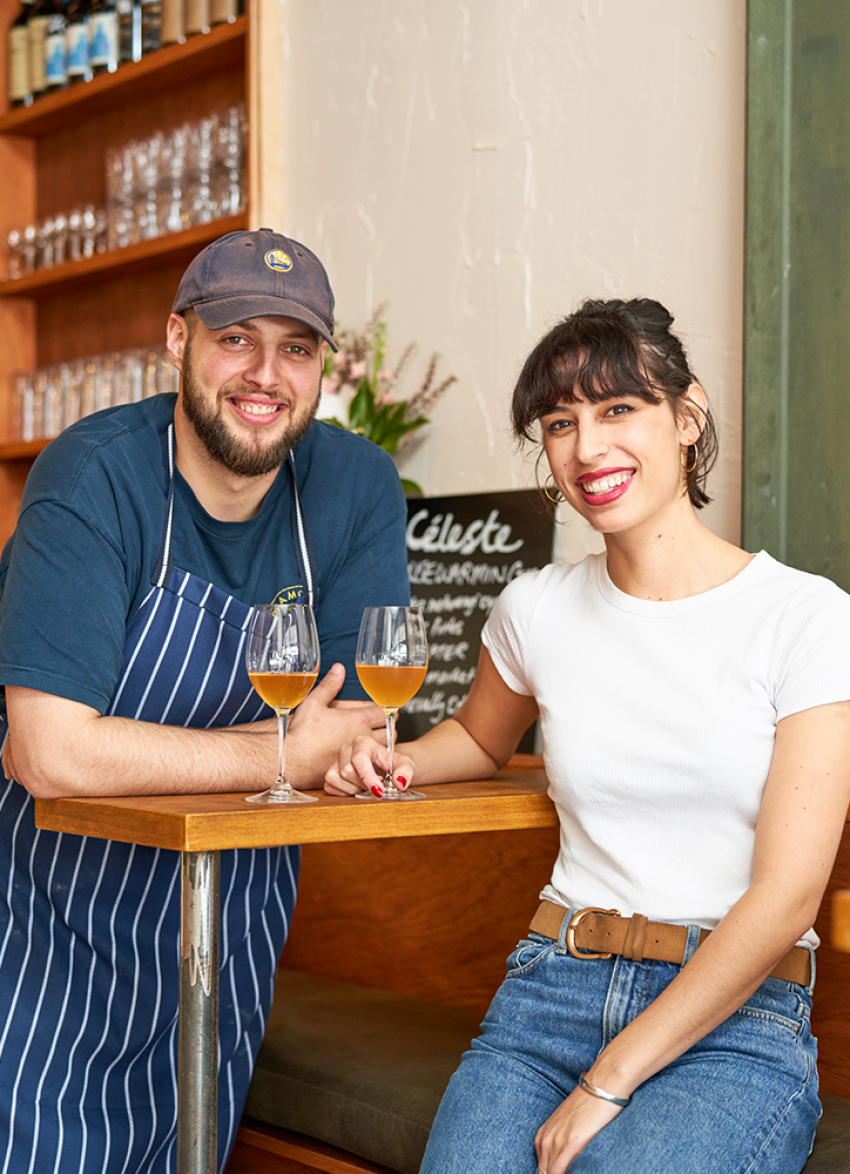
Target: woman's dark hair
x=610, y=349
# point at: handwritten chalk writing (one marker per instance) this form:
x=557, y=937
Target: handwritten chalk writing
x=450, y=627
x=449, y=676
x=437, y=706
x=463, y=603
x=425, y=571
x=432, y=705
x=449, y=651
x=443, y=534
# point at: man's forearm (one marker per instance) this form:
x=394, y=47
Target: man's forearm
x=60, y=747
x=53, y=752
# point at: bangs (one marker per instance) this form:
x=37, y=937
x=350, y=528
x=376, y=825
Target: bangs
x=569, y=365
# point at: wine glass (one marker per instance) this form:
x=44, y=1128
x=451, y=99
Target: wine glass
x=391, y=660
x=282, y=659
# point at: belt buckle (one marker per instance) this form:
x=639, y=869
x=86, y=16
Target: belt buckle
x=575, y=921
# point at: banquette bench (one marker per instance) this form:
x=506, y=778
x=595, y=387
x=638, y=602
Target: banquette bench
x=395, y=951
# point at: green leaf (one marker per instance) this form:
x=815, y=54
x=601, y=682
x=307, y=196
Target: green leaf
x=384, y=425
x=412, y=487
x=361, y=410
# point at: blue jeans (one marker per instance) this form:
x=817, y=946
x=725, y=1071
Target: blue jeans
x=744, y=1099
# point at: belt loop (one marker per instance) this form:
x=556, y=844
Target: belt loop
x=562, y=932
x=694, y=938
x=811, y=987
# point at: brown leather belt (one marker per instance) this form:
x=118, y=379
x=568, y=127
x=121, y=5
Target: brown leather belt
x=599, y=933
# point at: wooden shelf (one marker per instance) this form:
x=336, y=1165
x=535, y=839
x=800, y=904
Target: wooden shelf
x=133, y=259
x=53, y=159
x=176, y=65
x=23, y=450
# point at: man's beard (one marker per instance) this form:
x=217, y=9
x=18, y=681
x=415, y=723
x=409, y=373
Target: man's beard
x=226, y=449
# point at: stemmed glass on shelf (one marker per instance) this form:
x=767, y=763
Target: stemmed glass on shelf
x=391, y=660
x=282, y=659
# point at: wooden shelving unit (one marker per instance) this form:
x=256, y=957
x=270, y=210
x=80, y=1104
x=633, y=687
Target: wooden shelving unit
x=52, y=158
x=172, y=68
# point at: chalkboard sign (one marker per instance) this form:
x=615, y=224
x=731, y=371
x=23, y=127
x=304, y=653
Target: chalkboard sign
x=461, y=553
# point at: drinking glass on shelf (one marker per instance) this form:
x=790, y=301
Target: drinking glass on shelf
x=92, y=230
x=24, y=406
x=75, y=234
x=44, y=258
x=14, y=254
x=29, y=250
x=72, y=402
x=88, y=388
x=282, y=659
x=49, y=380
x=60, y=238
x=391, y=661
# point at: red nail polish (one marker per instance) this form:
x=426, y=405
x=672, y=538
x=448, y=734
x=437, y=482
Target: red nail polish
x=401, y=780
x=377, y=790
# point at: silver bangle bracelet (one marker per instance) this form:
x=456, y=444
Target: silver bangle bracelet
x=584, y=1083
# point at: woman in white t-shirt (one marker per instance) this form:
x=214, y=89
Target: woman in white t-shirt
x=694, y=702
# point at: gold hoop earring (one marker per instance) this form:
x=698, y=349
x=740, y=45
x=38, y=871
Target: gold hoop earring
x=683, y=456
x=555, y=500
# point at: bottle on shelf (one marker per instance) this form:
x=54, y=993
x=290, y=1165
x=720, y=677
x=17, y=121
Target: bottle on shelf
x=129, y=30
x=55, y=46
x=225, y=11
x=36, y=33
x=197, y=17
x=151, y=18
x=17, y=45
x=173, y=29
x=77, y=42
x=103, y=36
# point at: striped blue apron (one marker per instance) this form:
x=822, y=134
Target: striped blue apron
x=89, y=929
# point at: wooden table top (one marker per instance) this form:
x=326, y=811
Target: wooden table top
x=204, y=823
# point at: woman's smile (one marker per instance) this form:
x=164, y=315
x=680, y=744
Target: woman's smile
x=604, y=485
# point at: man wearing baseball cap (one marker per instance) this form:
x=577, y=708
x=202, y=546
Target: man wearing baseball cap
x=146, y=533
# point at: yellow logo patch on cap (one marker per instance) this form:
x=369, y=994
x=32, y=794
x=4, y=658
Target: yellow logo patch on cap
x=277, y=260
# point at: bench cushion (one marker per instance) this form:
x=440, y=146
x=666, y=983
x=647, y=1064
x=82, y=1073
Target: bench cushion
x=357, y=1068
x=364, y=1070
x=831, y=1154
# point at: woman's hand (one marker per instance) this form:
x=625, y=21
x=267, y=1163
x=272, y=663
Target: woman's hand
x=579, y=1118
x=362, y=765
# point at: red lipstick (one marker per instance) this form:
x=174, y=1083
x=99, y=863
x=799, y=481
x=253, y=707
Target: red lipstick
x=606, y=496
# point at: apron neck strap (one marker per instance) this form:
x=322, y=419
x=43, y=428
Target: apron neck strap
x=299, y=528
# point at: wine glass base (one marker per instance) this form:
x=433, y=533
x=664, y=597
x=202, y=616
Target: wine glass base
x=288, y=797
x=391, y=796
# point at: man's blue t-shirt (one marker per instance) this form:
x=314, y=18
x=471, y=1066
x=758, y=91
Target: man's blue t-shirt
x=81, y=560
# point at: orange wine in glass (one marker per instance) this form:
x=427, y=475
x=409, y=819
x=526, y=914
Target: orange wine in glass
x=391, y=660
x=282, y=659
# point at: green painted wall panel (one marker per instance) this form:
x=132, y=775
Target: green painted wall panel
x=797, y=287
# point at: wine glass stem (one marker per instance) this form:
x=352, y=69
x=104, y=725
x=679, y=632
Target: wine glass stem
x=281, y=786
x=389, y=785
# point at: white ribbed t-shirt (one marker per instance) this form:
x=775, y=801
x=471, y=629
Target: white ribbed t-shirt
x=658, y=722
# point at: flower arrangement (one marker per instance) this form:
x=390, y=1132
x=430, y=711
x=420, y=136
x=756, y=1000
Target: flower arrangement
x=357, y=379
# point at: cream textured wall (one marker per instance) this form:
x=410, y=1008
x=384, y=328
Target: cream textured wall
x=483, y=165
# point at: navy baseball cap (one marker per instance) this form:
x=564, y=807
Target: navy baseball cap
x=257, y=275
